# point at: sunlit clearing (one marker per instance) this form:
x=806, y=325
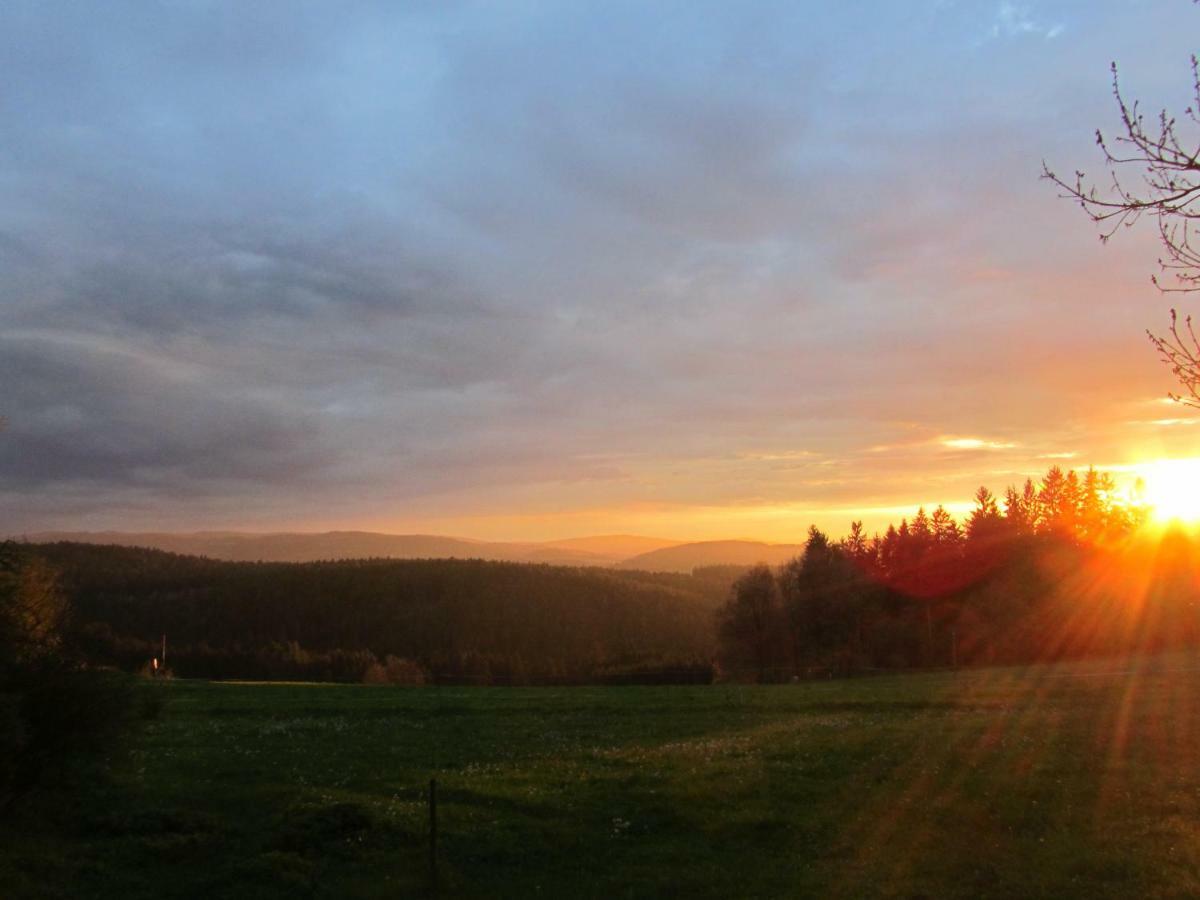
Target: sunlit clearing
x=1172, y=489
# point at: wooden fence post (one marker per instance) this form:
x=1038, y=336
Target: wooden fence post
x=433, y=864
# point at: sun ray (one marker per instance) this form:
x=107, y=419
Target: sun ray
x=1172, y=489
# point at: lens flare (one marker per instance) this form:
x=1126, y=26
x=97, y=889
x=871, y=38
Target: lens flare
x=1172, y=489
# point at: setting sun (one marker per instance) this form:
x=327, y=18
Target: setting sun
x=1172, y=489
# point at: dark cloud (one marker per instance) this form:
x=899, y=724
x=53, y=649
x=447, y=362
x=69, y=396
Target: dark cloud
x=83, y=412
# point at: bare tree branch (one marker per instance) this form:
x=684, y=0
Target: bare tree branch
x=1154, y=171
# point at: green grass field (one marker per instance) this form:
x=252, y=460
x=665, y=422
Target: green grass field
x=1079, y=780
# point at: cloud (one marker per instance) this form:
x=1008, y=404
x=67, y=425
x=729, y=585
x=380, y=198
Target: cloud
x=972, y=443
x=1169, y=423
x=296, y=265
x=81, y=412
x=1014, y=20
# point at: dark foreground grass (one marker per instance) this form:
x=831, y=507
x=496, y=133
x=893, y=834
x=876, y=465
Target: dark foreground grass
x=1043, y=782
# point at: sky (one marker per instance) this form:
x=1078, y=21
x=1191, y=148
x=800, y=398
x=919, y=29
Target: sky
x=538, y=270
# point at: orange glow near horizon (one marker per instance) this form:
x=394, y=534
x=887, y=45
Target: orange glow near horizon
x=1172, y=489
x=1169, y=488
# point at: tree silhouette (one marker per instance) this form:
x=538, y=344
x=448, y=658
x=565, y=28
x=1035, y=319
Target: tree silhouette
x=750, y=622
x=1048, y=576
x=32, y=608
x=985, y=521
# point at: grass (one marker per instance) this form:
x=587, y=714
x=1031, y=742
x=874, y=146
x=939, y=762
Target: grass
x=1080, y=780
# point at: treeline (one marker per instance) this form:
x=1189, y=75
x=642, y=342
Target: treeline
x=1055, y=569
x=451, y=621
x=1058, y=569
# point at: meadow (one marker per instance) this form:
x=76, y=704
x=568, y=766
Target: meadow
x=1048, y=781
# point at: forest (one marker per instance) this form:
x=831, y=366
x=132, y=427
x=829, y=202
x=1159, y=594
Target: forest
x=1056, y=569
x=410, y=621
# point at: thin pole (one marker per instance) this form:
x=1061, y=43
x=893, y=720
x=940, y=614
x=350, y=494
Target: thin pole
x=164, y=650
x=433, y=866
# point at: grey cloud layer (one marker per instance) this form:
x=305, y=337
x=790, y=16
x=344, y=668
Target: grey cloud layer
x=305, y=256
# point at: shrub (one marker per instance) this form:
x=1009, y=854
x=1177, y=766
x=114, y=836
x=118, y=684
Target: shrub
x=53, y=711
x=32, y=609
x=375, y=674
x=404, y=671
x=395, y=670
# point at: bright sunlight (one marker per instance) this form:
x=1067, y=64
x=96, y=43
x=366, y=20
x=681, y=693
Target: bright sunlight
x=1172, y=489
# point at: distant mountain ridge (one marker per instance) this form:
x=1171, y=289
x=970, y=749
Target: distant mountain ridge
x=686, y=557
x=621, y=551
x=620, y=546
x=309, y=547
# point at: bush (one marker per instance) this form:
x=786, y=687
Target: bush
x=53, y=711
x=149, y=671
x=395, y=670
x=404, y=671
x=32, y=609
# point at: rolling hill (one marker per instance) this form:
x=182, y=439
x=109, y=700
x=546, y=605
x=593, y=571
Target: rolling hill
x=686, y=557
x=633, y=552
x=310, y=547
